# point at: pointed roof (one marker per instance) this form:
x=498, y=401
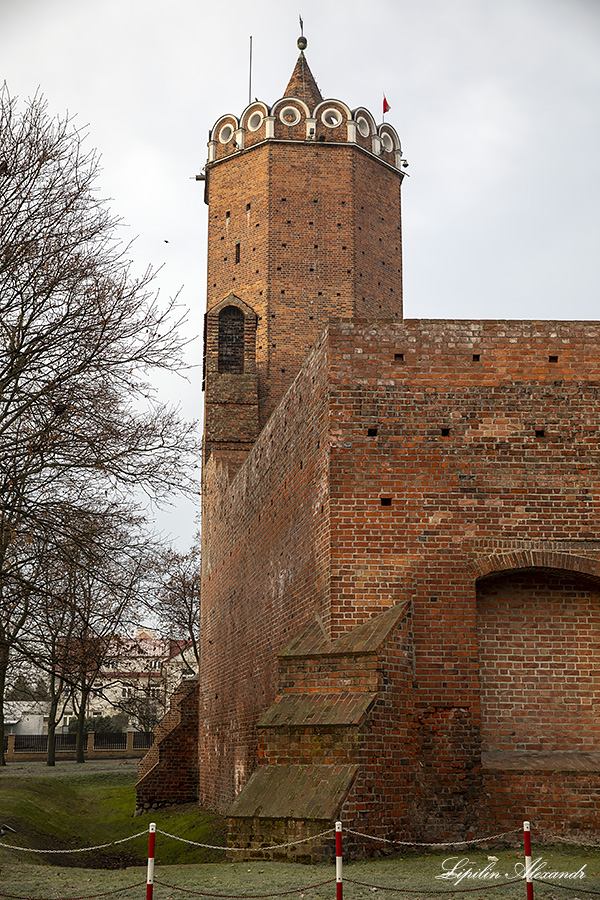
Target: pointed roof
x=303, y=85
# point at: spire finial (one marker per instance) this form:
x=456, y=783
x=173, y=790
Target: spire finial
x=302, y=42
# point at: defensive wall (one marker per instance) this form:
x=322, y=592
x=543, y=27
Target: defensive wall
x=448, y=469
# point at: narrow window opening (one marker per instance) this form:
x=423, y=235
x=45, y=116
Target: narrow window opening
x=238, y=252
x=247, y=207
x=231, y=340
x=227, y=214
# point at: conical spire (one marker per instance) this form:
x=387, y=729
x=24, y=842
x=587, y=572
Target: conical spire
x=303, y=85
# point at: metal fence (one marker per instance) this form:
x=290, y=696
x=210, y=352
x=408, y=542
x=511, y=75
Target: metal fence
x=31, y=743
x=137, y=742
x=142, y=740
x=107, y=741
x=66, y=741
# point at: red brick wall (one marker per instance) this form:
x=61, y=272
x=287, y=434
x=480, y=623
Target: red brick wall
x=319, y=233
x=559, y=801
x=168, y=773
x=516, y=470
x=539, y=646
x=381, y=800
x=265, y=572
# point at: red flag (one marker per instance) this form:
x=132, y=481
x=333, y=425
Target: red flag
x=386, y=105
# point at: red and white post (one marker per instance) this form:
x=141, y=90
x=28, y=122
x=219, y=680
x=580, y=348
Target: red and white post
x=150, y=876
x=528, y=876
x=339, y=887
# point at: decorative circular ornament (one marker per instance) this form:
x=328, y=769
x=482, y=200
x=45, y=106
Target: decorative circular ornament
x=302, y=43
x=226, y=133
x=255, y=121
x=332, y=118
x=289, y=115
x=388, y=143
x=363, y=126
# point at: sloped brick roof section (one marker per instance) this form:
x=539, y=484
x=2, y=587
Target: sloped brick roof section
x=297, y=792
x=367, y=638
x=341, y=709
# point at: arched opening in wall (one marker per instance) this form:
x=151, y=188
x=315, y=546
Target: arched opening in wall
x=231, y=340
x=539, y=646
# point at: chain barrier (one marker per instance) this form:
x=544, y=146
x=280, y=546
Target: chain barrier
x=313, y=837
x=566, y=887
x=378, y=887
x=79, y=849
x=372, y=837
x=245, y=896
x=120, y=890
x=577, y=842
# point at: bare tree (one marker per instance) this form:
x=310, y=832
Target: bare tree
x=177, y=600
x=79, y=335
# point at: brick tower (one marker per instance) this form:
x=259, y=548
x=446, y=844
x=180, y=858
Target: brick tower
x=304, y=226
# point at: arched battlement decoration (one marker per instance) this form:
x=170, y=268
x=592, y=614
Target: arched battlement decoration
x=254, y=122
x=228, y=119
x=322, y=108
x=290, y=101
x=225, y=136
x=365, y=122
x=256, y=107
x=291, y=118
x=501, y=563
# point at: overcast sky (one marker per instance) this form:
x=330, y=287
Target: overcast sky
x=497, y=103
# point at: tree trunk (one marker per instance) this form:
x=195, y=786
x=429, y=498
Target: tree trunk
x=51, y=753
x=81, y=736
x=3, y=670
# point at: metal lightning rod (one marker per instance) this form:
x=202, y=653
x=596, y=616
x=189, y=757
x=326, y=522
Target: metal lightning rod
x=250, y=75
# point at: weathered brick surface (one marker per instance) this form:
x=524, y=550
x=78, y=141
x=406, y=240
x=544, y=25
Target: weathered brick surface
x=355, y=463
x=319, y=235
x=265, y=571
x=512, y=485
x=168, y=773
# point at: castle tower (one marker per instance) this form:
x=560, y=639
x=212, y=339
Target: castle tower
x=304, y=226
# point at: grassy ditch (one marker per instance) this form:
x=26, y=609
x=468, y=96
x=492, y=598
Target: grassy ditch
x=74, y=806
